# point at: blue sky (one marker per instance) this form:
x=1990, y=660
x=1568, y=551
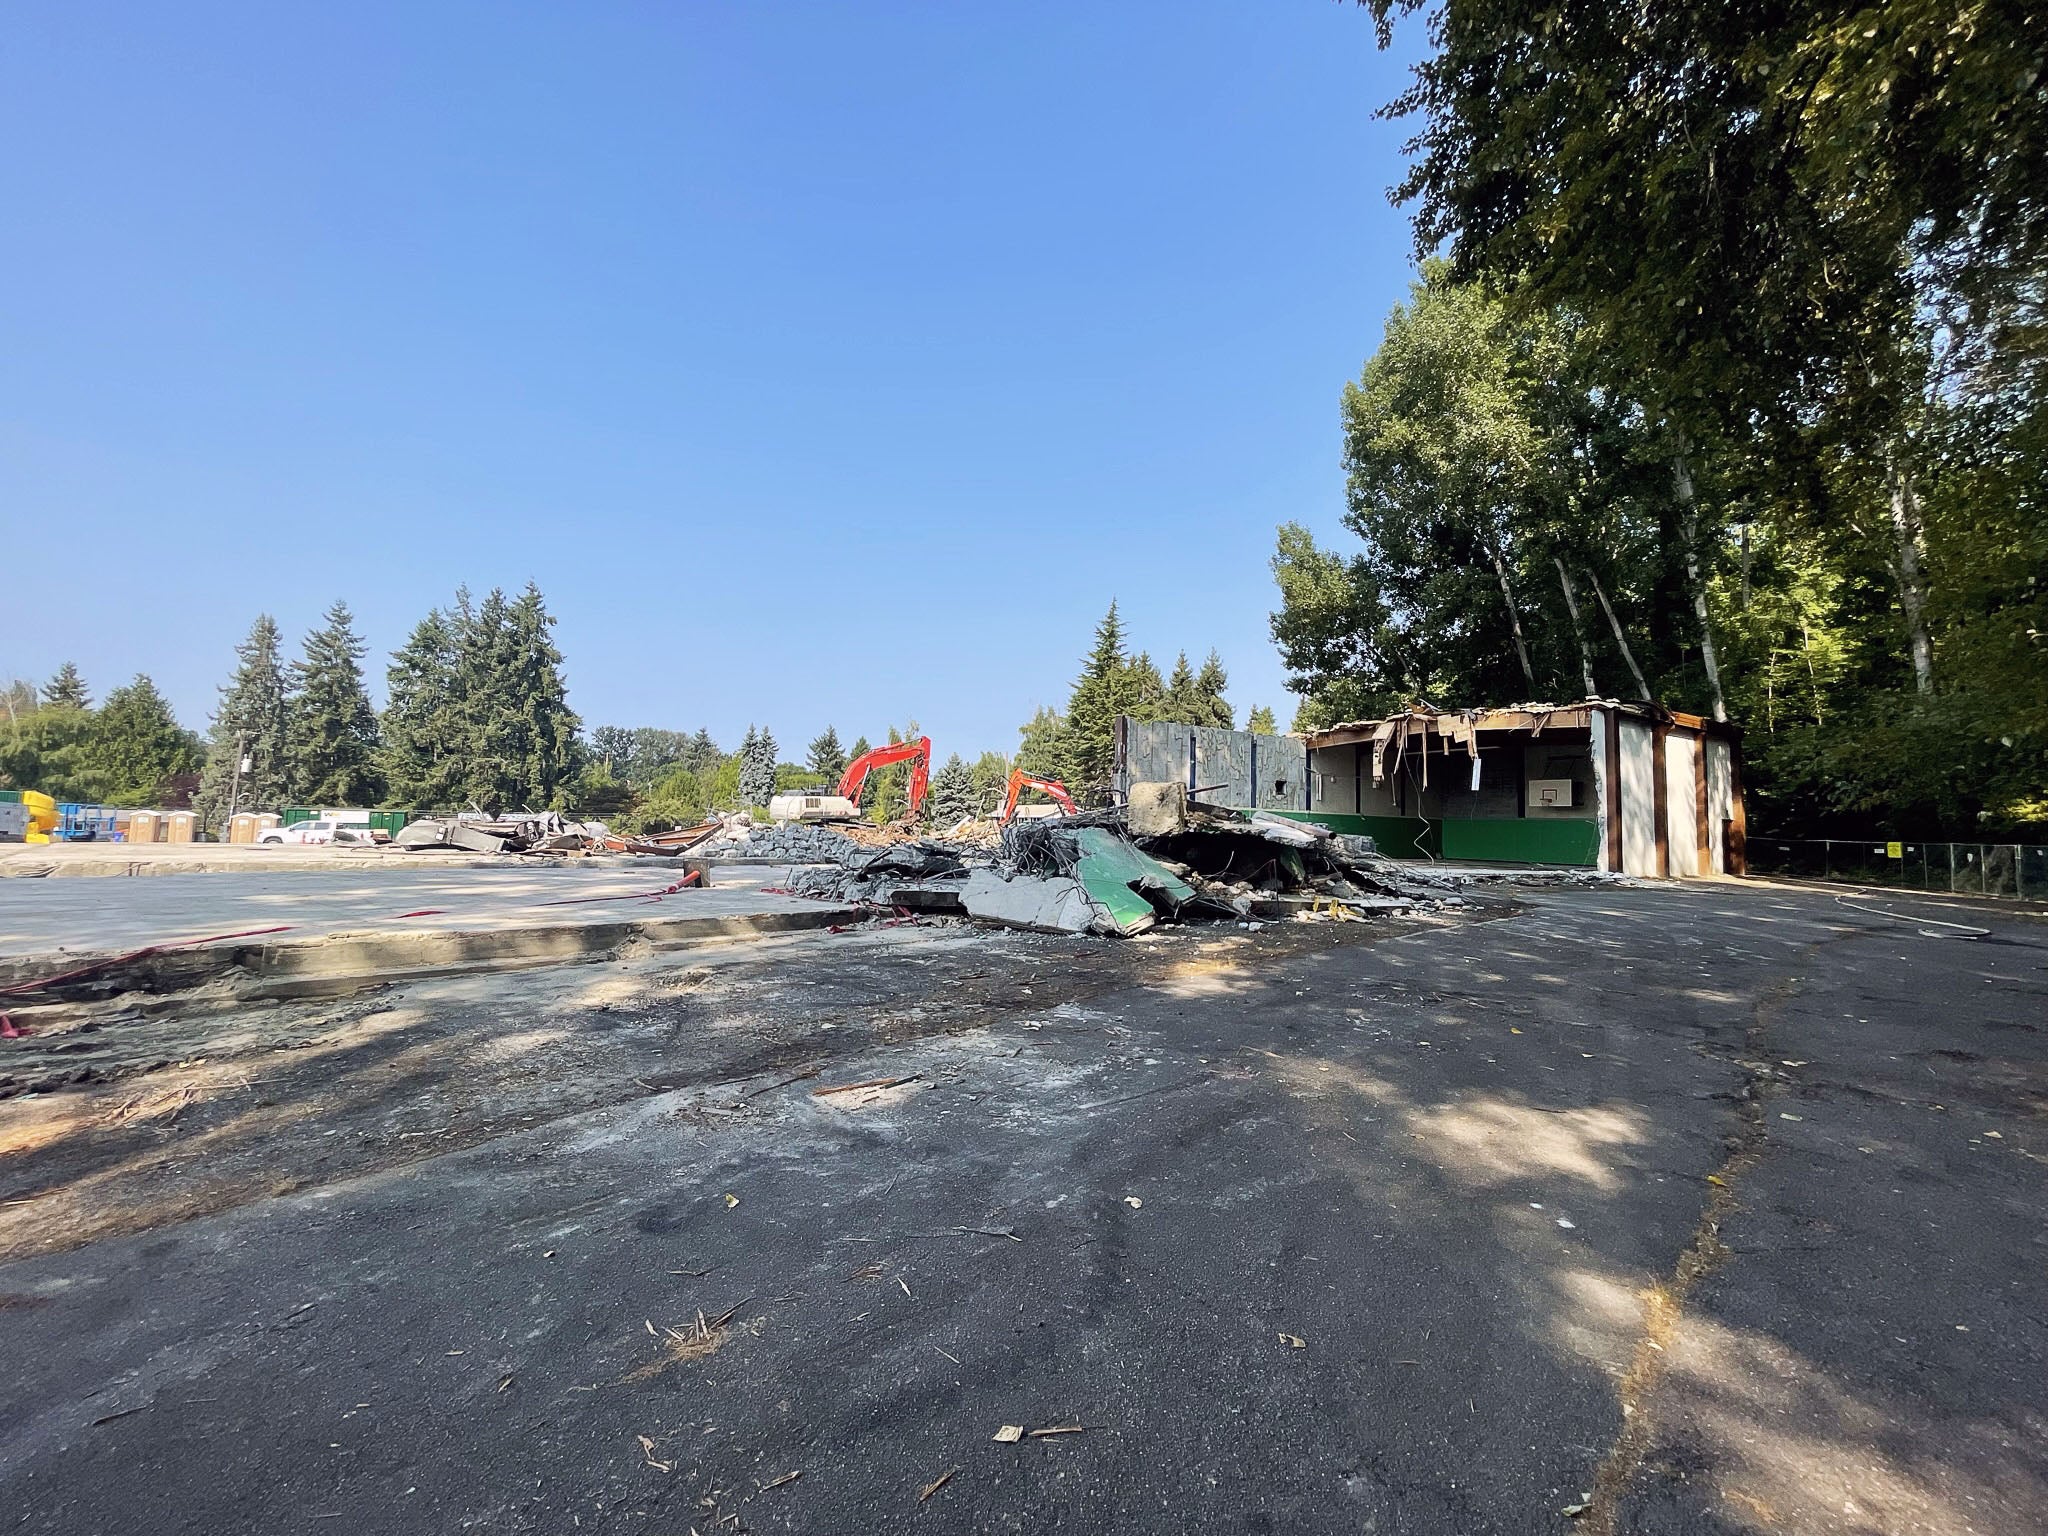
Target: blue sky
x=822, y=362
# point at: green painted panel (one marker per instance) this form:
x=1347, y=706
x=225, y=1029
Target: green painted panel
x=10, y=797
x=1120, y=878
x=1551, y=840
x=292, y=815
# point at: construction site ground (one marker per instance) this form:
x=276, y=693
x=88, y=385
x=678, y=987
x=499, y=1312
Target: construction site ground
x=1707, y=1208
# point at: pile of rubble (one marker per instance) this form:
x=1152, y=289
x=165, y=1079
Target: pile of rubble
x=1162, y=858
x=522, y=832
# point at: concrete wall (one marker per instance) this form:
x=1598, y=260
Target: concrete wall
x=1638, y=800
x=1201, y=756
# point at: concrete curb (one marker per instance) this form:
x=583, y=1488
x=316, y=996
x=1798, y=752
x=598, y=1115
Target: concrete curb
x=328, y=962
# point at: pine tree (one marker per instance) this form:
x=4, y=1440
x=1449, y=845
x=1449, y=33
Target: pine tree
x=1211, y=707
x=67, y=689
x=1109, y=685
x=331, y=735
x=826, y=756
x=757, y=768
x=248, y=727
x=1260, y=721
x=425, y=749
x=702, y=756
x=952, y=793
x=1182, y=696
x=545, y=731
x=137, y=748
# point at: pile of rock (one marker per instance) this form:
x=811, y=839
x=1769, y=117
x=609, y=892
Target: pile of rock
x=743, y=839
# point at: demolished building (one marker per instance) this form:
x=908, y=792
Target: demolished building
x=1629, y=788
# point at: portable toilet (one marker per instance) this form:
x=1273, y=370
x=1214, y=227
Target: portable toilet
x=181, y=827
x=145, y=826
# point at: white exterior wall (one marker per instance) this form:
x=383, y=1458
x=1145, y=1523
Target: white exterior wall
x=1638, y=800
x=1681, y=803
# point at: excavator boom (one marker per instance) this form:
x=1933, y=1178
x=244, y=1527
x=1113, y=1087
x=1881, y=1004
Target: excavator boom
x=1021, y=781
x=917, y=752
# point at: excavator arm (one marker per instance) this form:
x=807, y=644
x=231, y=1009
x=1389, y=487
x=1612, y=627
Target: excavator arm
x=918, y=753
x=1021, y=781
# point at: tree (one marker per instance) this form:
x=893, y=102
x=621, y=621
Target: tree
x=136, y=747
x=1110, y=684
x=826, y=757
x=425, y=752
x=248, y=727
x=67, y=689
x=952, y=793
x=1181, y=699
x=991, y=779
x=1260, y=721
x=331, y=732
x=1211, y=708
x=757, y=768
x=49, y=749
x=547, y=750
x=1043, y=751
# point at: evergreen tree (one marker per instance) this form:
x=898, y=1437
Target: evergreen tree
x=1110, y=684
x=702, y=756
x=248, y=727
x=858, y=750
x=1144, y=696
x=1211, y=707
x=952, y=793
x=424, y=733
x=487, y=659
x=331, y=735
x=826, y=756
x=1260, y=721
x=543, y=729
x=67, y=689
x=757, y=768
x=1182, y=699
x=136, y=747
x=758, y=774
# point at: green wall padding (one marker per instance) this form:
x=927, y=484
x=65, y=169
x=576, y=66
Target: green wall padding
x=1558, y=840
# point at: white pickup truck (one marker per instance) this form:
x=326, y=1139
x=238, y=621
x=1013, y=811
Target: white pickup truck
x=318, y=832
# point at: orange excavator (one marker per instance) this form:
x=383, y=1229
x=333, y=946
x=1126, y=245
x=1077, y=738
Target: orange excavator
x=1021, y=781
x=917, y=752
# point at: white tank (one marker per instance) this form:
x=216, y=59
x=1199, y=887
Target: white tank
x=802, y=806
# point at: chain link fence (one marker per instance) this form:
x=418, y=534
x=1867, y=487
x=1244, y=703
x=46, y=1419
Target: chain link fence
x=2016, y=871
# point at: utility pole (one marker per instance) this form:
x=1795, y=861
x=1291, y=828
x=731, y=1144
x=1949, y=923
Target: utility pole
x=235, y=784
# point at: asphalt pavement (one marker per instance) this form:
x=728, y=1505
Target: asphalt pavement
x=1700, y=1209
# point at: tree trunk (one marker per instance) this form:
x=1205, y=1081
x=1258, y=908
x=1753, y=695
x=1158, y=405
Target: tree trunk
x=1514, y=618
x=1571, y=604
x=1912, y=551
x=1627, y=655
x=1681, y=479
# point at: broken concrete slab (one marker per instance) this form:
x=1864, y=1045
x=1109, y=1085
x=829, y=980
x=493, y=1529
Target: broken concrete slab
x=1058, y=904
x=1156, y=810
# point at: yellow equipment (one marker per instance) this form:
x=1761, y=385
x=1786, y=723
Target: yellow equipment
x=42, y=816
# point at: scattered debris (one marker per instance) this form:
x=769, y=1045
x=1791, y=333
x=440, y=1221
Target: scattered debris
x=1009, y=1434
x=1057, y=1429
x=1294, y=1341
x=873, y=1082
x=936, y=1484
x=787, y=1477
